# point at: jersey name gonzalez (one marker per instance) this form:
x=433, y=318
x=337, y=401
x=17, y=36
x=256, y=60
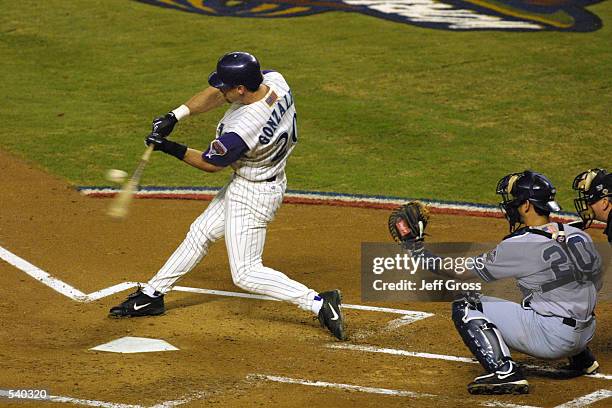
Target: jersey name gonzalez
x=268, y=127
x=277, y=114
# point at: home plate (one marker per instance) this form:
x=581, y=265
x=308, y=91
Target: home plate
x=135, y=345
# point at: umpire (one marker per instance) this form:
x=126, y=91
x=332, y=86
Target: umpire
x=594, y=201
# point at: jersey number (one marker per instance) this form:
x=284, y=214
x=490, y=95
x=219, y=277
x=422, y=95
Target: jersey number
x=286, y=141
x=583, y=260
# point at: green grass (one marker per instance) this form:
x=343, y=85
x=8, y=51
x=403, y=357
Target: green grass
x=384, y=108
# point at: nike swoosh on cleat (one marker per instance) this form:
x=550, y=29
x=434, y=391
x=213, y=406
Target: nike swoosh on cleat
x=504, y=376
x=334, y=313
x=136, y=307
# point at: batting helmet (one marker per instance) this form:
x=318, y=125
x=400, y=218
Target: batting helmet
x=592, y=185
x=516, y=188
x=237, y=68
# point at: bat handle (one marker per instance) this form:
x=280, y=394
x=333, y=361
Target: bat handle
x=147, y=154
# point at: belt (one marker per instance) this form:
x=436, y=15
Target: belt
x=568, y=321
x=271, y=179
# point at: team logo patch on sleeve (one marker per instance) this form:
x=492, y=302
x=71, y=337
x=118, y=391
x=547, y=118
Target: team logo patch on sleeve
x=216, y=149
x=491, y=255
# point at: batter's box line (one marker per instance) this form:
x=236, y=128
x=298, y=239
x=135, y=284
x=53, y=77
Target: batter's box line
x=6, y=395
x=407, y=316
x=406, y=353
x=575, y=403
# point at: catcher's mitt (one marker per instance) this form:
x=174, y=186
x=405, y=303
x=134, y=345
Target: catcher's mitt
x=407, y=223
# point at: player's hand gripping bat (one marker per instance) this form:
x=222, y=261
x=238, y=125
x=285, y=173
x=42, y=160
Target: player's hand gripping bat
x=120, y=204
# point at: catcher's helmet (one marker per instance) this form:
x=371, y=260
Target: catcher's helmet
x=516, y=188
x=592, y=185
x=237, y=68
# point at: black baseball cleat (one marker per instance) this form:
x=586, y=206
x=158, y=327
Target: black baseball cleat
x=138, y=304
x=511, y=381
x=583, y=363
x=330, y=315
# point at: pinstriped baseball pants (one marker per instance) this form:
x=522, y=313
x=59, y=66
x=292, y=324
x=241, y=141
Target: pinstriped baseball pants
x=240, y=212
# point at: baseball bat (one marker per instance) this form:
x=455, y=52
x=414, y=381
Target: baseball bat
x=120, y=204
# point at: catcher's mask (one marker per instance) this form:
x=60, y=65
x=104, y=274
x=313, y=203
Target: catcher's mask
x=516, y=188
x=592, y=185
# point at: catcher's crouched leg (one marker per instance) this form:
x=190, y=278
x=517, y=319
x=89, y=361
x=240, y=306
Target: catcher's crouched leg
x=479, y=334
x=485, y=342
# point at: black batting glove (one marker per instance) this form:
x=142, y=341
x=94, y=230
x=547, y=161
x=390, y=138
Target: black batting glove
x=156, y=140
x=164, y=125
x=167, y=146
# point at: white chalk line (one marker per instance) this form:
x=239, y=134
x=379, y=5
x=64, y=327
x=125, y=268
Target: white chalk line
x=4, y=394
x=410, y=315
x=42, y=276
x=505, y=405
x=398, y=352
x=587, y=399
x=349, y=387
x=65, y=289
x=575, y=403
x=368, y=390
x=406, y=353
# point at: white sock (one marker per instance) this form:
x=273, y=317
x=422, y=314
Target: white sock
x=317, y=304
x=150, y=291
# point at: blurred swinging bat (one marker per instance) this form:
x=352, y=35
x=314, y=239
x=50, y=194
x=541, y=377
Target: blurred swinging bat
x=120, y=204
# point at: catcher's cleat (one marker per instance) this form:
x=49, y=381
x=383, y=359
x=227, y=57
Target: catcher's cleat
x=583, y=363
x=511, y=381
x=138, y=304
x=330, y=315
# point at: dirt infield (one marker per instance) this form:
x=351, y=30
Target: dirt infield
x=233, y=351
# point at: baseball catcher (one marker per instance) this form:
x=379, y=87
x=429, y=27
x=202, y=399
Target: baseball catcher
x=557, y=269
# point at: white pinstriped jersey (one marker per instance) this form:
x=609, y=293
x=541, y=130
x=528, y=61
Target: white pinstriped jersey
x=268, y=127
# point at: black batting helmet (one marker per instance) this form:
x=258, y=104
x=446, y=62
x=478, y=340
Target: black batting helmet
x=237, y=68
x=516, y=188
x=592, y=185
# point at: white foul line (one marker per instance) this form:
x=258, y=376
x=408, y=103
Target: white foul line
x=398, y=352
x=350, y=387
x=42, y=276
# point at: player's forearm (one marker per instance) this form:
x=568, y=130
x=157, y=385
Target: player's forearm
x=194, y=158
x=209, y=99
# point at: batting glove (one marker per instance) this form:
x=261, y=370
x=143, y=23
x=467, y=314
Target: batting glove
x=167, y=146
x=164, y=125
x=156, y=140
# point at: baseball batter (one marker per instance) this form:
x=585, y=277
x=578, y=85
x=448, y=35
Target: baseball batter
x=558, y=270
x=255, y=137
